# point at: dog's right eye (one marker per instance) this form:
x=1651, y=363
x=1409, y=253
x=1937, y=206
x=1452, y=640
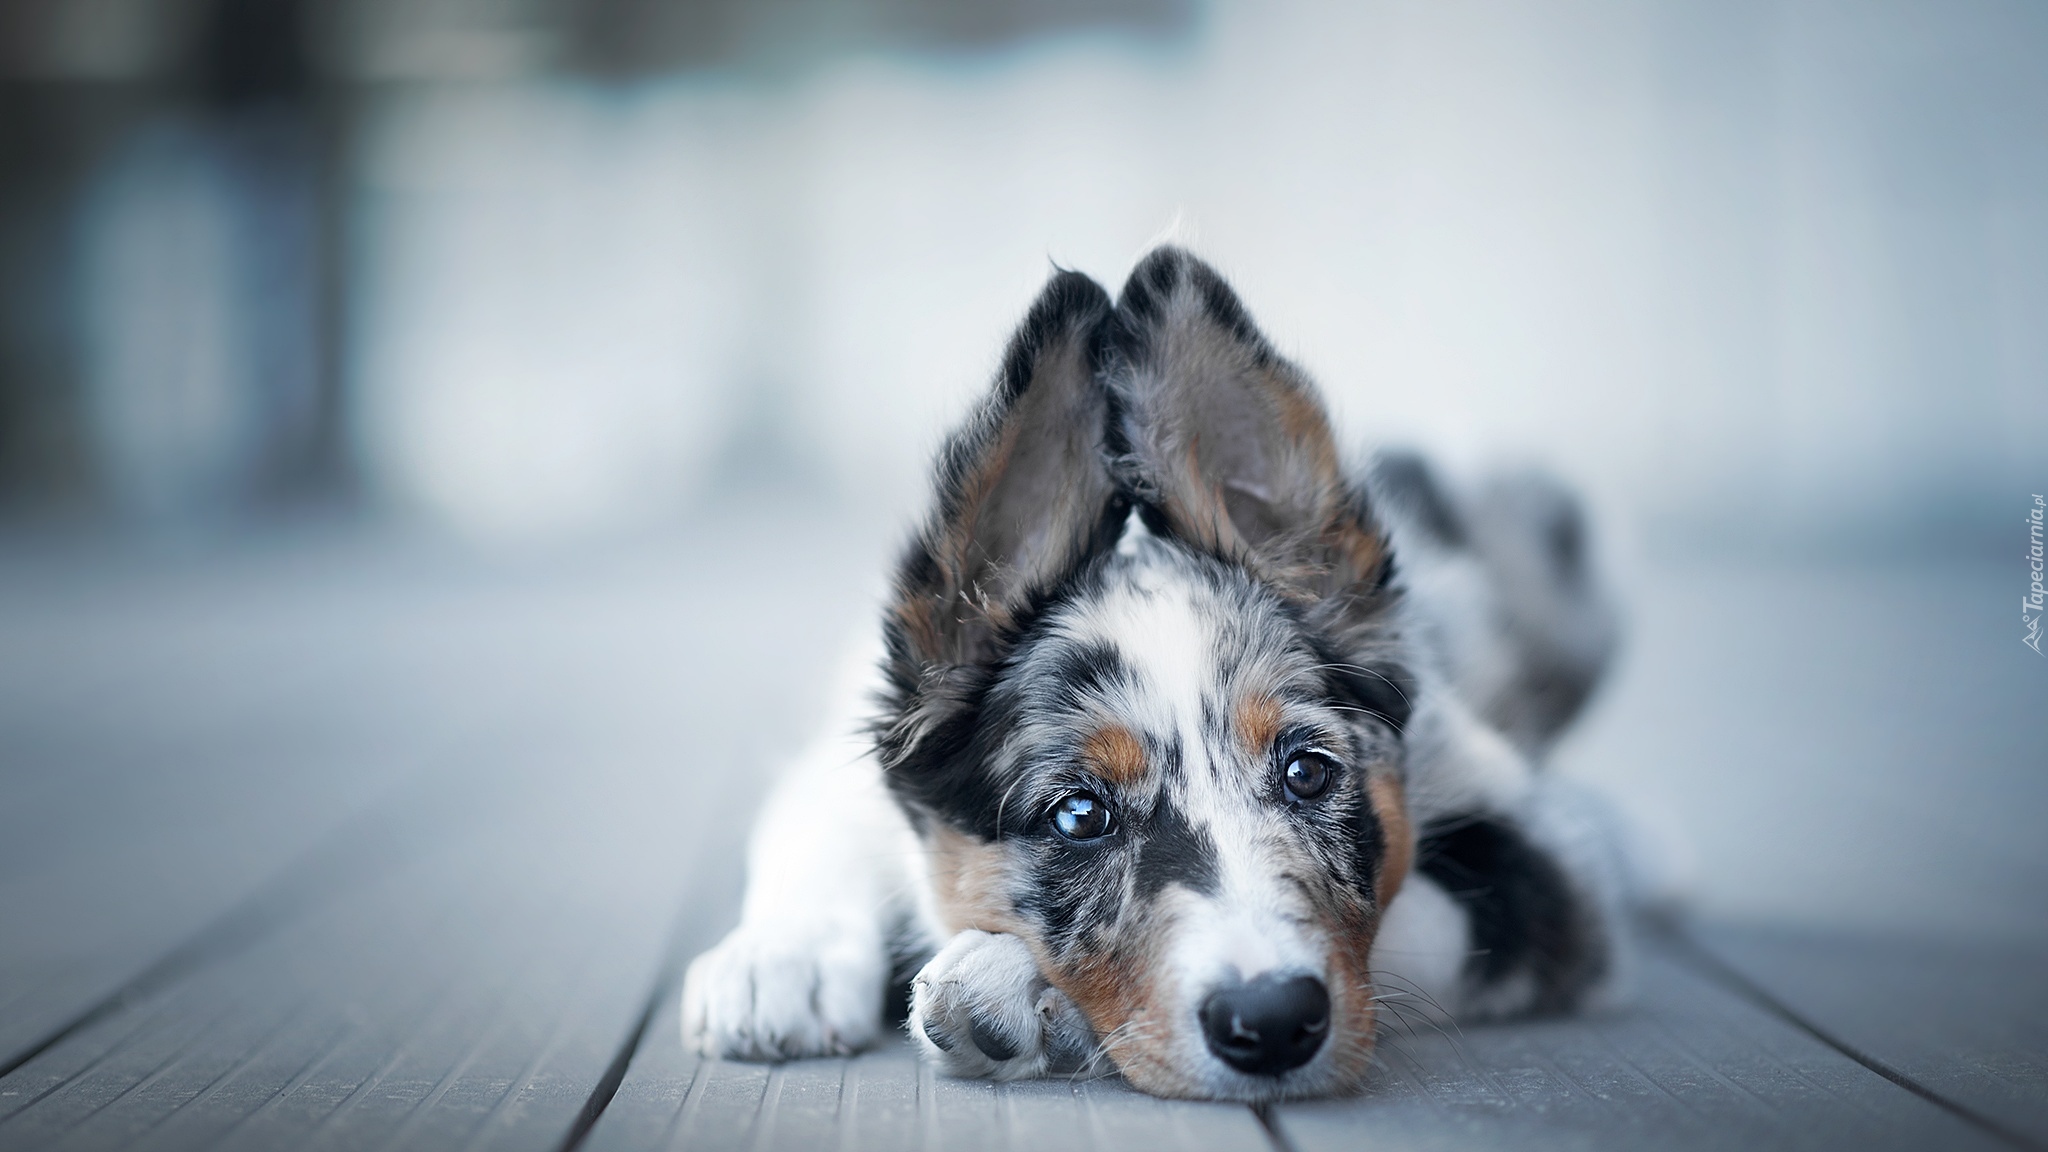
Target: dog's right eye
x=1307, y=776
x=1081, y=816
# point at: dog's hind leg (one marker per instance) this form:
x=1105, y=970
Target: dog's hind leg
x=1515, y=902
x=1503, y=591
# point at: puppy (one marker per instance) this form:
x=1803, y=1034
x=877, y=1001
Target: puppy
x=1172, y=768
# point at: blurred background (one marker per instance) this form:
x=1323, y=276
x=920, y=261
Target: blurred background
x=531, y=391
x=555, y=267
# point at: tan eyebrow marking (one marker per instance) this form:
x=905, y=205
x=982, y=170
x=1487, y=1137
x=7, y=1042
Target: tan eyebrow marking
x=1116, y=754
x=1258, y=722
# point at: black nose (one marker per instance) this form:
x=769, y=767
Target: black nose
x=1269, y=1025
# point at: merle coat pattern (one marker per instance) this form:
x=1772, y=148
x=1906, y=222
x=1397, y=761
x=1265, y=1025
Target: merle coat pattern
x=1195, y=752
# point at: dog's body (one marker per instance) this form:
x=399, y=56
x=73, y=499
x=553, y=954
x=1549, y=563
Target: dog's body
x=1175, y=769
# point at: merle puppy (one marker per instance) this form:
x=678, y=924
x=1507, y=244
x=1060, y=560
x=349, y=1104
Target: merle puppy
x=1192, y=750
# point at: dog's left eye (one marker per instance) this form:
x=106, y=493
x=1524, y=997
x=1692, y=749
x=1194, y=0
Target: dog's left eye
x=1082, y=816
x=1307, y=775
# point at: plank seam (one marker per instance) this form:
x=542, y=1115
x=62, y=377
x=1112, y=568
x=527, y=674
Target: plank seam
x=1712, y=966
x=306, y=1071
x=607, y=1086
x=240, y=1065
x=301, y=886
x=1270, y=1121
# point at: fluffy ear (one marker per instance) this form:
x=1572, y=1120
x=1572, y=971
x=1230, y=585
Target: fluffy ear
x=1024, y=498
x=1227, y=445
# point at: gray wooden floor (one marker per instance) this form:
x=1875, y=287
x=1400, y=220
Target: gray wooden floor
x=342, y=841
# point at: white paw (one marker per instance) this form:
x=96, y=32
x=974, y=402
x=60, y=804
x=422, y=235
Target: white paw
x=783, y=992
x=980, y=1008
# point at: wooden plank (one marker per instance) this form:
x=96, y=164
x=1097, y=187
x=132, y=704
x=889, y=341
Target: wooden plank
x=1688, y=1065
x=477, y=993
x=181, y=724
x=470, y=1001
x=1968, y=1021
x=472, y=994
x=169, y=750
x=887, y=1100
x=109, y=980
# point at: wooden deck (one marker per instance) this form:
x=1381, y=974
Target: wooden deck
x=342, y=843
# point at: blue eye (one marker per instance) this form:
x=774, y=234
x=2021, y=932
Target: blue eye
x=1082, y=816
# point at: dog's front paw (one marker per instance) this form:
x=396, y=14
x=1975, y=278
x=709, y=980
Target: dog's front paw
x=980, y=1008
x=783, y=992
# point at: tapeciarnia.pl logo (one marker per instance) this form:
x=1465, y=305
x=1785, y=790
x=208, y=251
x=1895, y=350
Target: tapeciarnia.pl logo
x=2031, y=604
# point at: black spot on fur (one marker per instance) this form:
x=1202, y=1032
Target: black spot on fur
x=940, y=776
x=1217, y=720
x=1549, y=693
x=1228, y=311
x=1143, y=303
x=1524, y=914
x=946, y=774
x=1407, y=479
x=1066, y=298
x=909, y=952
x=896, y=1001
x=1067, y=893
x=1565, y=537
x=1385, y=691
x=1173, y=851
x=1389, y=568
x=1078, y=672
x=1368, y=842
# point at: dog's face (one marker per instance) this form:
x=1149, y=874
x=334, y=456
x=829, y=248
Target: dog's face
x=1175, y=805
x=1167, y=759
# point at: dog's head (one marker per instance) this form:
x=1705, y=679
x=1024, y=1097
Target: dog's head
x=1162, y=749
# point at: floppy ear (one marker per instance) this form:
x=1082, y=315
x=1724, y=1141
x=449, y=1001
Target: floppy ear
x=1227, y=445
x=1024, y=499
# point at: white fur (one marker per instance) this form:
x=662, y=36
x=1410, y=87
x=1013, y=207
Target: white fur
x=830, y=864
x=984, y=981
x=1421, y=948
